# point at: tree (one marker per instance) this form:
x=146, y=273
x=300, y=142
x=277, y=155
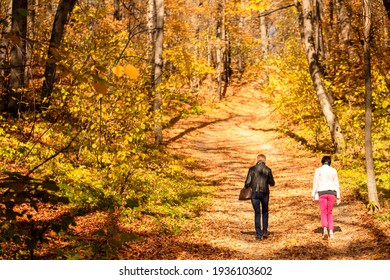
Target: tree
x=156, y=40
x=117, y=13
x=386, y=3
x=240, y=56
x=318, y=19
x=371, y=185
x=18, y=56
x=219, y=47
x=4, y=46
x=64, y=10
x=306, y=25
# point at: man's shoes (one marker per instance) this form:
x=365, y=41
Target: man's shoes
x=331, y=235
x=259, y=237
x=265, y=234
x=325, y=234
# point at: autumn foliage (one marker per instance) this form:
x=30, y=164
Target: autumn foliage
x=80, y=174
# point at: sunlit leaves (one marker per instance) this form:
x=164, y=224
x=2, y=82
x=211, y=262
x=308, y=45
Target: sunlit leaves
x=118, y=71
x=129, y=70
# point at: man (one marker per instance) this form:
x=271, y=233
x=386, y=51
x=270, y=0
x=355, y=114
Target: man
x=259, y=178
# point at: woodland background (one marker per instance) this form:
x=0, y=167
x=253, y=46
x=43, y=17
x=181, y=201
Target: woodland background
x=87, y=89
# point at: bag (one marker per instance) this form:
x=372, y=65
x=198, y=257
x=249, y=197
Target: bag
x=245, y=194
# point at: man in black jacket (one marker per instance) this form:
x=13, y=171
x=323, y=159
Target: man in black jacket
x=259, y=178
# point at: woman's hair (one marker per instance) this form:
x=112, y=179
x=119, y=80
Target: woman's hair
x=326, y=160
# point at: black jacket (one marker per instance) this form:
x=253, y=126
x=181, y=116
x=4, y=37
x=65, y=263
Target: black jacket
x=259, y=178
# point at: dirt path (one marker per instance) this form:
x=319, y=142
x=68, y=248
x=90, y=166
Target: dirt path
x=224, y=143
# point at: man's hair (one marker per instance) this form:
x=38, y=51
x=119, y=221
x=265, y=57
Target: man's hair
x=261, y=157
x=326, y=160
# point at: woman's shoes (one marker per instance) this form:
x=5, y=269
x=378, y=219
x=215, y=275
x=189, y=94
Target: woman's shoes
x=325, y=234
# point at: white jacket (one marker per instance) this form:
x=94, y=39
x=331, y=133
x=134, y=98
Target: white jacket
x=325, y=179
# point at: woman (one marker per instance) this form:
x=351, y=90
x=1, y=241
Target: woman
x=326, y=189
x=259, y=178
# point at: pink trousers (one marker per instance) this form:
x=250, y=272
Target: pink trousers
x=326, y=202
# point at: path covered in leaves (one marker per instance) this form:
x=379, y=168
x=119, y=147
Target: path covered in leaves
x=224, y=143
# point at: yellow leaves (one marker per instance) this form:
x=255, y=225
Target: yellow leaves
x=118, y=71
x=101, y=86
x=128, y=69
x=131, y=71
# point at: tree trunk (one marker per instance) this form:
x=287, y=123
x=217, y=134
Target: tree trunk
x=371, y=185
x=117, y=14
x=306, y=24
x=319, y=42
x=344, y=22
x=219, y=49
x=158, y=70
x=155, y=42
x=4, y=53
x=263, y=36
x=264, y=44
x=386, y=3
x=226, y=56
x=18, y=56
x=240, y=58
x=151, y=24
x=64, y=10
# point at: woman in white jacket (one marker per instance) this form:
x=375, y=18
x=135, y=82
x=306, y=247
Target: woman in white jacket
x=326, y=189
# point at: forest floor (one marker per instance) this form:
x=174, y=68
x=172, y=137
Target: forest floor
x=224, y=143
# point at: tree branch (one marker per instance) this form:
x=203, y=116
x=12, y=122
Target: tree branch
x=266, y=13
x=56, y=154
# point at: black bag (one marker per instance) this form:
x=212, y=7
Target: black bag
x=245, y=194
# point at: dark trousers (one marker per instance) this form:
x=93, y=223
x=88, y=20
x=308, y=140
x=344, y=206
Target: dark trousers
x=260, y=199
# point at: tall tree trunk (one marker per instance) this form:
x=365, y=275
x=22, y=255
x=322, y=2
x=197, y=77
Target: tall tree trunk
x=386, y=3
x=18, y=56
x=64, y=10
x=319, y=42
x=155, y=41
x=210, y=59
x=263, y=36
x=371, y=185
x=240, y=58
x=306, y=25
x=151, y=24
x=226, y=55
x=117, y=14
x=344, y=22
x=264, y=44
x=4, y=53
x=219, y=48
x=158, y=70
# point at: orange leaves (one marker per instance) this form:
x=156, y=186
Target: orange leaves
x=101, y=86
x=128, y=70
